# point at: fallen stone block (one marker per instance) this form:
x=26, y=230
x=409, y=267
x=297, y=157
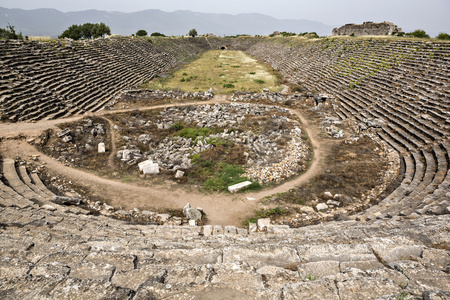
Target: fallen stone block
x=101, y=148
x=65, y=200
x=239, y=186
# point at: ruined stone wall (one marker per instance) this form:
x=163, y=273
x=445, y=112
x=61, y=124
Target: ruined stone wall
x=367, y=28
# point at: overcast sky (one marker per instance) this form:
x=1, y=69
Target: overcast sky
x=430, y=15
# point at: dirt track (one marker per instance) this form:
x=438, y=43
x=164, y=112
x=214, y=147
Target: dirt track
x=221, y=209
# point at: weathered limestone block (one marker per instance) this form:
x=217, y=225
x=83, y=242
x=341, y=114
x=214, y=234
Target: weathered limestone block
x=319, y=268
x=67, y=258
x=198, y=256
x=148, y=167
x=337, y=252
x=73, y=288
x=421, y=278
x=101, y=148
x=313, y=290
x=54, y=268
x=122, y=262
x=207, y=230
x=230, y=230
x=12, y=267
x=366, y=288
x=65, y=200
x=263, y=223
x=239, y=186
x=236, y=276
x=90, y=270
x=277, y=278
x=262, y=255
x=322, y=207
x=134, y=278
x=192, y=213
x=362, y=265
x=218, y=230
x=189, y=275
x=392, y=250
x=437, y=259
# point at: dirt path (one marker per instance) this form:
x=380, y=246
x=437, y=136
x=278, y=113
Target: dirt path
x=221, y=209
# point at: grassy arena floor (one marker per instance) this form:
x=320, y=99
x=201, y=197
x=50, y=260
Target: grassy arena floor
x=223, y=71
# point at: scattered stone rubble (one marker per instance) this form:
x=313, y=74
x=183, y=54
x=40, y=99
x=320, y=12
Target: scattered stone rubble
x=266, y=96
x=158, y=95
x=267, y=159
x=71, y=144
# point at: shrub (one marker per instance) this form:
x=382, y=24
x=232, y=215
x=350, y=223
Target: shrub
x=443, y=36
x=157, y=34
x=141, y=32
x=10, y=33
x=228, y=86
x=419, y=33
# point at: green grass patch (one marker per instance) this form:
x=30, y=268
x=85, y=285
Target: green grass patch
x=259, y=81
x=193, y=133
x=209, y=70
x=265, y=213
x=219, y=167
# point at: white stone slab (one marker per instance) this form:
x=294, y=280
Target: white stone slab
x=237, y=187
x=101, y=148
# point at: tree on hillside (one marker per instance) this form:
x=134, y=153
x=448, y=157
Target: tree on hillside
x=193, y=32
x=419, y=33
x=141, y=32
x=86, y=31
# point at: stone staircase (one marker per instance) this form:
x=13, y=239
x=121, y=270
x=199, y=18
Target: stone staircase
x=53, y=252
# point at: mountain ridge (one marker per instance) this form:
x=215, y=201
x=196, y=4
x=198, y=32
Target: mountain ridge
x=52, y=22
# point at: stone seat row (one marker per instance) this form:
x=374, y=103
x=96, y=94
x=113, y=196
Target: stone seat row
x=18, y=188
x=46, y=254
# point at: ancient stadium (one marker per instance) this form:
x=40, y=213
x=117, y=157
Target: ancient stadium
x=321, y=171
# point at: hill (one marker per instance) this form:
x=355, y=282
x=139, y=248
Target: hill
x=51, y=22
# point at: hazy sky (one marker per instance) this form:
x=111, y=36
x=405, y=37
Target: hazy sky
x=430, y=15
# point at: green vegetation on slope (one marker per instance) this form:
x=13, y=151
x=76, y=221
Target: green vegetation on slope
x=223, y=71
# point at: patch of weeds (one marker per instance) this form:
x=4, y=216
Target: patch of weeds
x=228, y=85
x=235, y=66
x=252, y=73
x=177, y=126
x=184, y=74
x=226, y=176
x=311, y=278
x=259, y=81
x=404, y=295
x=265, y=213
x=246, y=222
x=193, y=133
x=277, y=211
